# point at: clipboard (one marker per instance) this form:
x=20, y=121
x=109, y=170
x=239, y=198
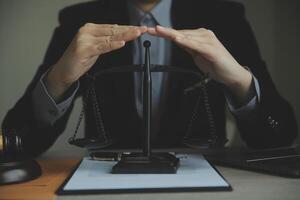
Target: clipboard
x=95, y=177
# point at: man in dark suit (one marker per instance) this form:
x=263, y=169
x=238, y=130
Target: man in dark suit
x=209, y=36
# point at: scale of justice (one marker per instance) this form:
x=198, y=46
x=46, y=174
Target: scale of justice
x=145, y=162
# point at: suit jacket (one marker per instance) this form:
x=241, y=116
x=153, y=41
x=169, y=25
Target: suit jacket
x=273, y=126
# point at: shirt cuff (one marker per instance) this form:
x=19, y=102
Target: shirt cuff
x=46, y=110
x=248, y=110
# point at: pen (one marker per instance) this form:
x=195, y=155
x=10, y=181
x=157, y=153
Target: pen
x=106, y=156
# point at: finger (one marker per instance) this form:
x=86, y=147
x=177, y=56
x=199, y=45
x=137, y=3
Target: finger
x=197, y=38
x=193, y=33
x=114, y=26
x=187, y=43
x=167, y=33
x=191, y=44
x=87, y=39
x=152, y=31
x=116, y=31
x=99, y=30
x=126, y=35
x=120, y=30
x=199, y=30
x=108, y=47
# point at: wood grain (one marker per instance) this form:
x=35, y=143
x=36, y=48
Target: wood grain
x=54, y=172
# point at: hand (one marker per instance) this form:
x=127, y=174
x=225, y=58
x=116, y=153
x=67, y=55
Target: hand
x=211, y=57
x=91, y=41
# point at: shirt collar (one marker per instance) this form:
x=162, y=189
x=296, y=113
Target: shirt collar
x=161, y=13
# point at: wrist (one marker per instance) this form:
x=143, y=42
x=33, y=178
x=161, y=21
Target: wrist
x=55, y=86
x=240, y=85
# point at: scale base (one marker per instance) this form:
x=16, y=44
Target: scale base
x=138, y=163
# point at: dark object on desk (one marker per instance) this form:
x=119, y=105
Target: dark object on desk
x=282, y=162
x=19, y=171
x=138, y=163
x=15, y=167
x=147, y=162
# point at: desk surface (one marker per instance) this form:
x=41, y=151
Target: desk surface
x=246, y=185
x=54, y=172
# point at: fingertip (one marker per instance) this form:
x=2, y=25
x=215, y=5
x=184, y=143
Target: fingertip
x=137, y=32
x=119, y=44
x=151, y=30
x=144, y=29
x=122, y=43
x=140, y=30
x=160, y=28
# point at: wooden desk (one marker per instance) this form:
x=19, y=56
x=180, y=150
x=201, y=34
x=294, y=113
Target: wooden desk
x=246, y=185
x=54, y=172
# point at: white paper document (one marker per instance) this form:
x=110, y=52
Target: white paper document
x=194, y=172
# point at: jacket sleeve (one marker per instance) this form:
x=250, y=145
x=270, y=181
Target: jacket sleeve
x=274, y=124
x=37, y=137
